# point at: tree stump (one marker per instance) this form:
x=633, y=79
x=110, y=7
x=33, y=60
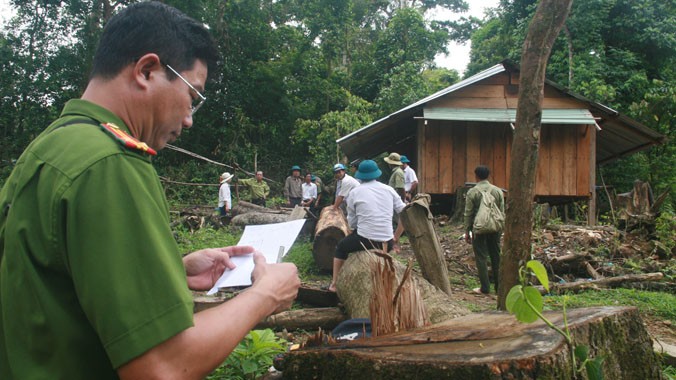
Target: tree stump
x=331, y=228
x=417, y=219
x=354, y=287
x=487, y=346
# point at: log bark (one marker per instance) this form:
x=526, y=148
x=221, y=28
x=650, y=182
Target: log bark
x=606, y=282
x=331, y=228
x=325, y=318
x=488, y=346
x=354, y=287
x=243, y=207
x=545, y=26
x=256, y=218
x=417, y=219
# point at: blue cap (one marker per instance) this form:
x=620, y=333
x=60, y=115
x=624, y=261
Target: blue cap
x=337, y=167
x=295, y=167
x=405, y=159
x=368, y=169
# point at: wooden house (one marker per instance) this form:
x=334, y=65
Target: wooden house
x=449, y=133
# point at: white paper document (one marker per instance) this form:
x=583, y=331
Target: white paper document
x=265, y=238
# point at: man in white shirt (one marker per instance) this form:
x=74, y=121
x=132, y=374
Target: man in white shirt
x=309, y=192
x=224, y=198
x=370, y=208
x=410, y=179
x=344, y=184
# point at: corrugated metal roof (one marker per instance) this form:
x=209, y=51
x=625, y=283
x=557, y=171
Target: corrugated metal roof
x=463, y=83
x=508, y=115
x=620, y=135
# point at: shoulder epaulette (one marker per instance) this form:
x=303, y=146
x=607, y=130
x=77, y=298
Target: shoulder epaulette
x=125, y=139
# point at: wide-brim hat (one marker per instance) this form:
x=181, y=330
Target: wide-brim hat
x=405, y=159
x=393, y=158
x=225, y=177
x=368, y=169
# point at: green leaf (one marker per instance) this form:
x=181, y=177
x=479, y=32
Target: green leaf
x=540, y=272
x=581, y=353
x=594, y=369
x=249, y=366
x=512, y=297
x=517, y=305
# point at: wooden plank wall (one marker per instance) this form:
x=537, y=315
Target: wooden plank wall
x=450, y=150
x=453, y=150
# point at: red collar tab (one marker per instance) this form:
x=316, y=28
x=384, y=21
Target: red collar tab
x=126, y=140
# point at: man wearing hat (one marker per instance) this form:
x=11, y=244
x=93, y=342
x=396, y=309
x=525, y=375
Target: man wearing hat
x=370, y=209
x=344, y=185
x=224, y=198
x=293, y=190
x=410, y=179
x=397, y=178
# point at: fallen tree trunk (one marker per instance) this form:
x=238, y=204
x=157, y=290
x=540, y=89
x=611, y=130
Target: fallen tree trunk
x=325, y=318
x=256, y=218
x=331, y=228
x=355, y=285
x=243, y=207
x=606, y=282
x=417, y=219
x=488, y=346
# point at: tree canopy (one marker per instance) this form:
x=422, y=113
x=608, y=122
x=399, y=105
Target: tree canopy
x=296, y=74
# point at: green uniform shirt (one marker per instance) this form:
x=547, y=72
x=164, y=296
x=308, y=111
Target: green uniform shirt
x=473, y=201
x=90, y=275
x=259, y=190
x=397, y=178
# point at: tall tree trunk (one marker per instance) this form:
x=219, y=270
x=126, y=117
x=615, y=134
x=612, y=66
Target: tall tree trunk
x=542, y=32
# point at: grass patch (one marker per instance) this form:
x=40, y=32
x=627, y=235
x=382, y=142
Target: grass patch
x=657, y=304
x=301, y=255
x=207, y=237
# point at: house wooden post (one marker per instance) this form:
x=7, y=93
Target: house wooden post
x=591, y=219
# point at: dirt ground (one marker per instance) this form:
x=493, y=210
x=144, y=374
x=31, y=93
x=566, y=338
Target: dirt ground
x=547, y=244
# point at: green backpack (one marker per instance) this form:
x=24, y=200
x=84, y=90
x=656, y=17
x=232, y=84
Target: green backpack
x=489, y=219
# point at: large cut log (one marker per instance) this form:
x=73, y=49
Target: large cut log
x=304, y=319
x=331, y=228
x=243, y=207
x=355, y=285
x=417, y=219
x=606, y=282
x=488, y=346
x=325, y=318
x=256, y=218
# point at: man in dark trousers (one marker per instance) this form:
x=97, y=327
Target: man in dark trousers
x=485, y=245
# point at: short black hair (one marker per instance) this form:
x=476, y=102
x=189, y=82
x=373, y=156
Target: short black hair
x=482, y=172
x=153, y=27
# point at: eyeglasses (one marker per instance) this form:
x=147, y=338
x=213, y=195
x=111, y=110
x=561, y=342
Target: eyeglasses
x=196, y=102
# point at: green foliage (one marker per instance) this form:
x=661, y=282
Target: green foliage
x=526, y=303
x=658, y=304
x=301, y=255
x=665, y=229
x=252, y=357
x=205, y=238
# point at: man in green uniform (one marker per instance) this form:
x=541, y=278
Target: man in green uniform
x=397, y=181
x=259, y=188
x=92, y=283
x=485, y=245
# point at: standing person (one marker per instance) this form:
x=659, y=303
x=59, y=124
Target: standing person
x=92, y=283
x=370, y=209
x=410, y=179
x=322, y=192
x=354, y=165
x=293, y=190
x=259, y=189
x=344, y=184
x=397, y=177
x=224, y=198
x=485, y=245
x=309, y=192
